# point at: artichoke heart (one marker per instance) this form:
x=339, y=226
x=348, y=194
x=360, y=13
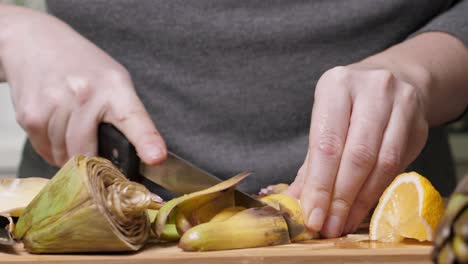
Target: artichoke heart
x=88, y=206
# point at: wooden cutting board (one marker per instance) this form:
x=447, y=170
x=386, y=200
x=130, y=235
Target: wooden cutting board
x=351, y=249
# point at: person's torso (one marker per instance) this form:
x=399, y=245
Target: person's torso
x=230, y=83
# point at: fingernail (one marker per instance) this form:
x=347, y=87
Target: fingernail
x=153, y=153
x=156, y=198
x=332, y=228
x=316, y=219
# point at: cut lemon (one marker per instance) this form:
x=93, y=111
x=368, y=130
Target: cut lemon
x=409, y=208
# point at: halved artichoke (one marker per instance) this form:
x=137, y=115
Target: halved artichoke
x=88, y=206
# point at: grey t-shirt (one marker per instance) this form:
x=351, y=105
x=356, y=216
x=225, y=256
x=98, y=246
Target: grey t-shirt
x=230, y=83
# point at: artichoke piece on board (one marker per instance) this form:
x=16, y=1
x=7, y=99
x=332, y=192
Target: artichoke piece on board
x=227, y=213
x=291, y=209
x=88, y=206
x=254, y=227
x=172, y=206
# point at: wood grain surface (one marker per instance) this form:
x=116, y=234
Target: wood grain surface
x=350, y=249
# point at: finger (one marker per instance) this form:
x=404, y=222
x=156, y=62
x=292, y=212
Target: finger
x=34, y=122
x=87, y=108
x=40, y=142
x=56, y=131
x=128, y=114
x=389, y=163
x=418, y=137
x=81, y=134
x=329, y=125
x=368, y=121
x=295, y=188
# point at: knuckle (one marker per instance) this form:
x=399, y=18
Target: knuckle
x=338, y=73
x=329, y=145
x=410, y=94
x=390, y=162
x=55, y=97
x=362, y=155
x=30, y=119
x=383, y=79
x=341, y=202
x=117, y=76
x=80, y=88
x=321, y=191
x=382, y=76
x=125, y=116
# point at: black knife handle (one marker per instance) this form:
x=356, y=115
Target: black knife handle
x=114, y=146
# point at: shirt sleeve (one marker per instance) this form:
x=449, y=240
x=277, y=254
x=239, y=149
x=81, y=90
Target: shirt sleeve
x=453, y=21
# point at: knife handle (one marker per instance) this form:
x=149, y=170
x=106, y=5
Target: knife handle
x=114, y=146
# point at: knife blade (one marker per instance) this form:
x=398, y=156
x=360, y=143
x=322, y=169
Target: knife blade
x=175, y=174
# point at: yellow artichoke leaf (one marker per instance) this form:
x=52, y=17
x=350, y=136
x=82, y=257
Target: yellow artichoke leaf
x=165, y=211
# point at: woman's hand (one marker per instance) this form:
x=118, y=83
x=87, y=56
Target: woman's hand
x=367, y=125
x=63, y=86
x=370, y=120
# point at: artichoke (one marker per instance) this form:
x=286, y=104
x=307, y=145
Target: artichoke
x=88, y=206
x=451, y=241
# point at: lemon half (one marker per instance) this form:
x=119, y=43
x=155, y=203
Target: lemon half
x=410, y=207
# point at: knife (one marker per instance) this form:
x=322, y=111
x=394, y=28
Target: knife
x=175, y=174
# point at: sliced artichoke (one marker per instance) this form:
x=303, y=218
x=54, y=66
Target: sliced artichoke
x=200, y=198
x=88, y=206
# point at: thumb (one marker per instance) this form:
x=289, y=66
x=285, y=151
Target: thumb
x=128, y=114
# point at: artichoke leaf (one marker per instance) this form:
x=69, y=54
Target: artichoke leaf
x=167, y=209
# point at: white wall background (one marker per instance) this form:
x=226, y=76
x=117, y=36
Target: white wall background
x=11, y=135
